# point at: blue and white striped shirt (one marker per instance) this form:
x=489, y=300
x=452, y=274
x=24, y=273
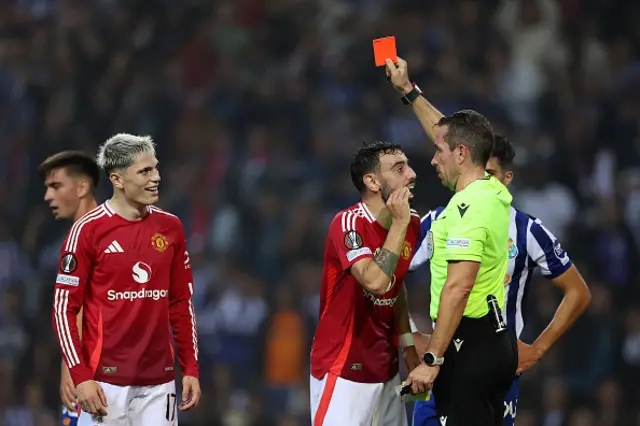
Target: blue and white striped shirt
x=530, y=245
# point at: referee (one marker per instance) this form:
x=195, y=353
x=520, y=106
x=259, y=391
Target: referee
x=472, y=357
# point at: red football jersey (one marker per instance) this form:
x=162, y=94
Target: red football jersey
x=134, y=281
x=356, y=334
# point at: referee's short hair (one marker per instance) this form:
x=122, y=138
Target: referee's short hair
x=472, y=129
x=503, y=151
x=76, y=163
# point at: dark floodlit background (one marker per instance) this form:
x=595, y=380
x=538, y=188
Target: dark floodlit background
x=256, y=105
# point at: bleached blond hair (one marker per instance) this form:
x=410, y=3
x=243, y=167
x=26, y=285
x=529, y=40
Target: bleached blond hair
x=121, y=150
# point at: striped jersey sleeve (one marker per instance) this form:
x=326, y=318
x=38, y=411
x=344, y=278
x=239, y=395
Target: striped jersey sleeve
x=546, y=251
x=182, y=316
x=76, y=260
x=348, y=235
x=424, y=247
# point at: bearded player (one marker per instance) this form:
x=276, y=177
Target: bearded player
x=363, y=307
x=70, y=179
x=530, y=245
x=126, y=264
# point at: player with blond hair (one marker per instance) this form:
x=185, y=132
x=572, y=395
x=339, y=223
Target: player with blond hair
x=125, y=263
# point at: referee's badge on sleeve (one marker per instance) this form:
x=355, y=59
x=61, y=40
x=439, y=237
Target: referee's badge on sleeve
x=429, y=241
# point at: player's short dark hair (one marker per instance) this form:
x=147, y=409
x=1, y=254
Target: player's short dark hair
x=76, y=163
x=472, y=129
x=367, y=160
x=504, y=151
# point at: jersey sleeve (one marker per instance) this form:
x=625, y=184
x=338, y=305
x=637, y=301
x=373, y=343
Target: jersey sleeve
x=467, y=231
x=424, y=248
x=74, y=271
x=181, y=313
x=348, y=235
x=545, y=250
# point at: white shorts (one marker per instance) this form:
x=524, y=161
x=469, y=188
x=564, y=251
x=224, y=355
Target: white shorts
x=137, y=406
x=339, y=402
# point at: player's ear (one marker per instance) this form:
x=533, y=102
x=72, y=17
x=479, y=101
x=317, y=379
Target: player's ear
x=371, y=182
x=461, y=152
x=508, y=177
x=116, y=180
x=83, y=188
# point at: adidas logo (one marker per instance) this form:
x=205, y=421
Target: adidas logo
x=114, y=247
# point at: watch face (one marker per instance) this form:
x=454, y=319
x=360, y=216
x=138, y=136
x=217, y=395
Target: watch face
x=429, y=358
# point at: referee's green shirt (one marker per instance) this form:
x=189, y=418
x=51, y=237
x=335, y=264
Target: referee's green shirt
x=475, y=227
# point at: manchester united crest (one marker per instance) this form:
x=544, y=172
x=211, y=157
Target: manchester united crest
x=159, y=242
x=406, y=250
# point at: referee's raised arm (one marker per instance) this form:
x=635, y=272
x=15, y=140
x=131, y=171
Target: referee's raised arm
x=472, y=357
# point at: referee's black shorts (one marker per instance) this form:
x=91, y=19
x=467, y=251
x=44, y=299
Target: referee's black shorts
x=479, y=367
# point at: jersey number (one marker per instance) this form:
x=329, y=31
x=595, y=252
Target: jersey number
x=171, y=407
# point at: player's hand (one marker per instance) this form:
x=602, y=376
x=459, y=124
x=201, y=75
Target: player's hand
x=422, y=377
x=67, y=390
x=398, y=74
x=411, y=358
x=91, y=398
x=528, y=356
x=190, y=393
x=398, y=205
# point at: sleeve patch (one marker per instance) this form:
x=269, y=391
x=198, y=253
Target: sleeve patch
x=457, y=243
x=67, y=280
x=353, y=254
x=353, y=240
x=558, y=250
x=68, y=263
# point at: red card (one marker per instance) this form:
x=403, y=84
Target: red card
x=383, y=49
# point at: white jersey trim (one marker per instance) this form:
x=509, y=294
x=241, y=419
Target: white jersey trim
x=64, y=332
x=367, y=213
x=154, y=209
x=74, y=234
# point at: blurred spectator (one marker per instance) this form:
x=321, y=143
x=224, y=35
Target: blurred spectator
x=14, y=333
x=33, y=412
x=555, y=405
x=256, y=106
x=587, y=368
x=285, y=352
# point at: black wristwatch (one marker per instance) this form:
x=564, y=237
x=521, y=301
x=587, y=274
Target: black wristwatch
x=432, y=360
x=412, y=95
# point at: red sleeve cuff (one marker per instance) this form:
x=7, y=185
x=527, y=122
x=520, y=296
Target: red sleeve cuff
x=191, y=371
x=80, y=374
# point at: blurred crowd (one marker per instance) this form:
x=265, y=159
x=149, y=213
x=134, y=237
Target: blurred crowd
x=256, y=106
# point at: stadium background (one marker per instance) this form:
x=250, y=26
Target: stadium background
x=256, y=106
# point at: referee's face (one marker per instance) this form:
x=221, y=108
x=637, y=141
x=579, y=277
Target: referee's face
x=444, y=159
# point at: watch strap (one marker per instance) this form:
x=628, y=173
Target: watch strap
x=408, y=98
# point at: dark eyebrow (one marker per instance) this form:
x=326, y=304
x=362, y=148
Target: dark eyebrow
x=397, y=163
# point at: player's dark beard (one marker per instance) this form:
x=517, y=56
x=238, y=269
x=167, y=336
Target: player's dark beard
x=386, y=192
